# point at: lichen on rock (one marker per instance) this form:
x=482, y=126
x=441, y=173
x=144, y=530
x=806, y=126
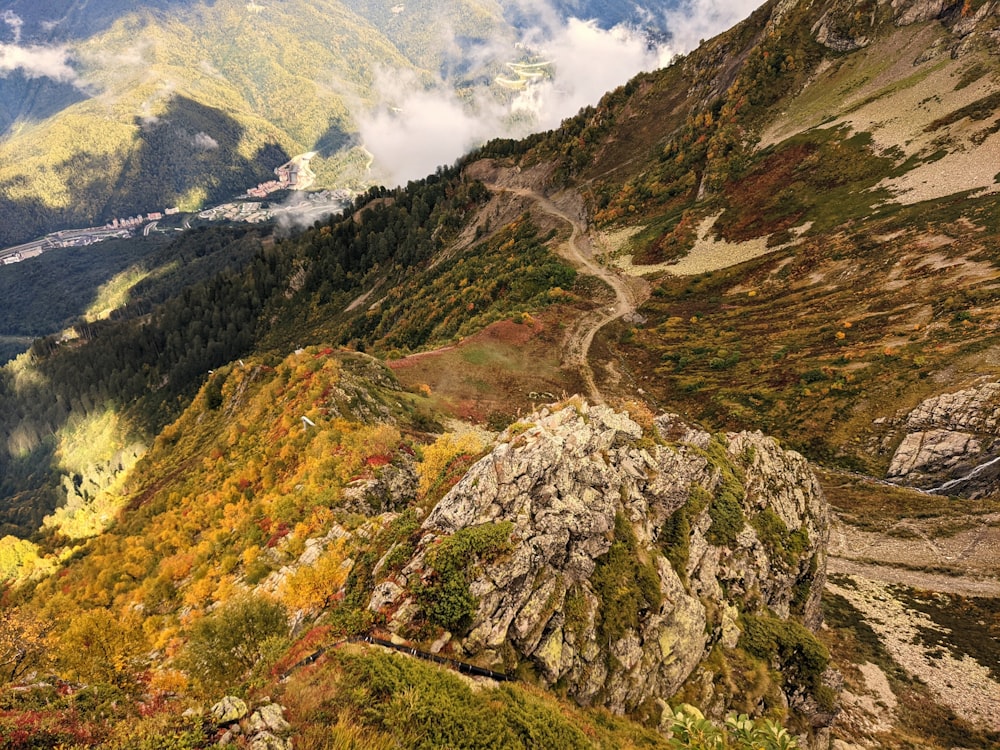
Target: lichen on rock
x=584, y=590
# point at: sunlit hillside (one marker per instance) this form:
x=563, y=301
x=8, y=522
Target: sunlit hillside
x=675, y=426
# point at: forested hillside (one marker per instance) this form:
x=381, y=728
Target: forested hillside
x=242, y=485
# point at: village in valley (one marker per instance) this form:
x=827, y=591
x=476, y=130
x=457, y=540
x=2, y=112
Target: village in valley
x=301, y=208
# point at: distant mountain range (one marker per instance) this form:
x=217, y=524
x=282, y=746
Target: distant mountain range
x=113, y=108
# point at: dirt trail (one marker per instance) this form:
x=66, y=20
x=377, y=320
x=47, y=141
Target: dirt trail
x=630, y=292
x=955, y=555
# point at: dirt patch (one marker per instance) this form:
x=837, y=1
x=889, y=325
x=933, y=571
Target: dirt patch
x=504, y=370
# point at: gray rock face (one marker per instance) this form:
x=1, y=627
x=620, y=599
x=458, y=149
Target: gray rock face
x=229, y=710
x=842, y=29
x=569, y=484
x=947, y=438
x=917, y=11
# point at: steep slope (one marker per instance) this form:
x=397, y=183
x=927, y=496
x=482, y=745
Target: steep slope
x=113, y=109
x=666, y=543
x=777, y=175
x=618, y=558
x=778, y=165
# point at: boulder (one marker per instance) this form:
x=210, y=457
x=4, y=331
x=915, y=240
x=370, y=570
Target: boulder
x=621, y=626
x=268, y=718
x=229, y=710
x=949, y=441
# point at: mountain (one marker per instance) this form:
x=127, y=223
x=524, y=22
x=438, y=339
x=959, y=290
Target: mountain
x=116, y=109
x=365, y=434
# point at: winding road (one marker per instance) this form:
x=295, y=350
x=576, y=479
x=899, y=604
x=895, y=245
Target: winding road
x=630, y=292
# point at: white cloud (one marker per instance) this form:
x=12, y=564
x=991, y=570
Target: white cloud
x=204, y=142
x=37, y=62
x=15, y=23
x=693, y=21
x=588, y=62
x=418, y=128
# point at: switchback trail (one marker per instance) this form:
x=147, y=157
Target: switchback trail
x=629, y=292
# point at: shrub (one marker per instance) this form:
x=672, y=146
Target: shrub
x=675, y=535
x=99, y=647
x=690, y=730
x=225, y=645
x=444, y=595
x=626, y=586
x=800, y=657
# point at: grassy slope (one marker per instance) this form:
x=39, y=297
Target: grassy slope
x=877, y=304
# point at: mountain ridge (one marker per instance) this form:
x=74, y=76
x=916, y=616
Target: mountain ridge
x=283, y=459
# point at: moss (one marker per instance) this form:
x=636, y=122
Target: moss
x=675, y=535
x=725, y=510
x=787, y=546
x=575, y=612
x=626, y=586
x=444, y=595
x=796, y=652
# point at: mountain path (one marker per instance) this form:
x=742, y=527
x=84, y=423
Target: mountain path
x=630, y=292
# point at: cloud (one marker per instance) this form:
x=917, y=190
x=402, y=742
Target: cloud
x=37, y=62
x=204, y=142
x=693, y=21
x=15, y=23
x=417, y=128
x=588, y=62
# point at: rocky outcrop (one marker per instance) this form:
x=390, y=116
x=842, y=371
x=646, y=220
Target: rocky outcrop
x=949, y=441
x=264, y=729
x=842, y=29
x=631, y=552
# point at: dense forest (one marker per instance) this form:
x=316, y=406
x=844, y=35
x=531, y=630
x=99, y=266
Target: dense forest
x=147, y=361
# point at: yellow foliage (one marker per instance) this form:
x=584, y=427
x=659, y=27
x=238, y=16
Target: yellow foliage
x=22, y=643
x=19, y=560
x=99, y=646
x=168, y=681
x=312, y=587
x=641, y=415
x=440, y=453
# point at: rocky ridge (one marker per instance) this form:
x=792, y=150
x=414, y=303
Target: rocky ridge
x=949, y=441
x=631, y=551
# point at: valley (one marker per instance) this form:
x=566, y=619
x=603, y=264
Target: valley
x=683, y=416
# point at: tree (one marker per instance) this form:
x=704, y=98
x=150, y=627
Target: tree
x=226, y=644
x=99, y=647
x=22, y=643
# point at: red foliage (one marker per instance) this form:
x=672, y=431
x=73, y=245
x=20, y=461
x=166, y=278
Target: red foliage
x=279, y=533
x=20, y=730
x=379, y=459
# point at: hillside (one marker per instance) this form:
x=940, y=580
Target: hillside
x=367, y=431
x=112, y=109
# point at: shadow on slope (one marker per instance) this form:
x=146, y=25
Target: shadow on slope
x=33, y=99
x=190, y=155
x=190, y=151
